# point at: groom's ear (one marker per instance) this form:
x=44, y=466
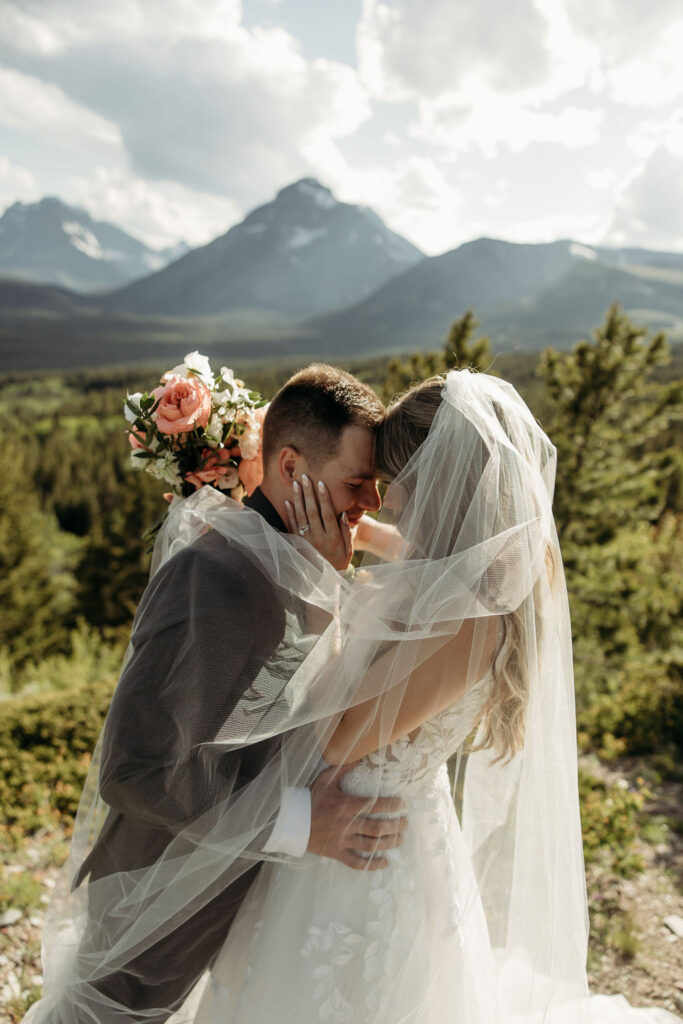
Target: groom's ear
x=289, y=465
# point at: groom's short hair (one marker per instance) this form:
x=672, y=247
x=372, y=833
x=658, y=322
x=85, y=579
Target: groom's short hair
x=310, y=411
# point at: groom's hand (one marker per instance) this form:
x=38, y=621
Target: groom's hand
x=342, y=829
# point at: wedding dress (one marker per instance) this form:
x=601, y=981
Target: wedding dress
x=319, y=943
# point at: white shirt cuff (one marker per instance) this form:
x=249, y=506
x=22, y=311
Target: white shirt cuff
x=292, y=828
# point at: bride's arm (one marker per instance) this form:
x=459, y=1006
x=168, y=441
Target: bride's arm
x=432, y=686
x=381, y=539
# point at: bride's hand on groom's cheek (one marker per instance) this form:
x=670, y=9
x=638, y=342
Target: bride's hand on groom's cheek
x=342, y=829
x=311, y=515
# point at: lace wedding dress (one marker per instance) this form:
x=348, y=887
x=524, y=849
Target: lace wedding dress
x=316, y=942
x=319, y=942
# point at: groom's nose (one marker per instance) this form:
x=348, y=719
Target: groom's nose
x=369, y=497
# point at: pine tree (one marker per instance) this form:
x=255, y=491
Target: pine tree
x=609, y=419
x=617, y=509
x=37, y=585
x=460, y=350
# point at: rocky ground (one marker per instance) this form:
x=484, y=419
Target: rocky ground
x=636, y=947
x=641, y=955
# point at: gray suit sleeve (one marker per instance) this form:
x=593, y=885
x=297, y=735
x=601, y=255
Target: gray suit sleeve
x=193, y=642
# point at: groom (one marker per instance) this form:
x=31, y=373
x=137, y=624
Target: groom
x=319, y=427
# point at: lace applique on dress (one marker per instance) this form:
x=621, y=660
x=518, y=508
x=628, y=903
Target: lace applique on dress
x=414, y=768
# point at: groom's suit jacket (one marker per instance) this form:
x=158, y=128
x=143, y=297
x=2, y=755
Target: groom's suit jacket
x=208, y=603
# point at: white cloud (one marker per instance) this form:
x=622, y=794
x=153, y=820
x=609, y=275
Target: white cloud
x=652, y=80
x=414, y=196
x=49, y=26
x=485, y=75
x=173, y=118
x=160, y=215
x=16, y=183
x=649, y=212
x=601, y=178
x=18, y=177
x=32, y=105
x=502, y=121
x=622, y=28
x=197, y=98
x=428, y=47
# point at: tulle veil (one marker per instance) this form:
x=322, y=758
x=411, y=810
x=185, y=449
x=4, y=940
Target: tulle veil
x=473, y=509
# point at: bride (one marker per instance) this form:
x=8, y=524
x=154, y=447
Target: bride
x=459, y=647
x=457, y=651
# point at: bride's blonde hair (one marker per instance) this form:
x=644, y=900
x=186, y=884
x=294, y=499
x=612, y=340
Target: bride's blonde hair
x=403, y=431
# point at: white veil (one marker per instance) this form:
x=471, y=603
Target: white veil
x=473, y=505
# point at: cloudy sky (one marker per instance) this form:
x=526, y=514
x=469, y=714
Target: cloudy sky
x=520, y=119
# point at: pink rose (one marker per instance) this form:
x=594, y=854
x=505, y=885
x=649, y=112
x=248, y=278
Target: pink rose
x=135, y=442
x=184, y=404
x=215, y=470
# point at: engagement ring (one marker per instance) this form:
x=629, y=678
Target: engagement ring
x=303, y=529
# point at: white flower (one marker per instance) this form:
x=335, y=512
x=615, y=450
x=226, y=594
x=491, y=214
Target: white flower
x=193, y=365
x=235, y=391
x=230, y=480
x=199, y=364
x=214, y=431
x=136, y=462
x=165, y=468
x=221, y=398
x=250, y=442
x=128, y=413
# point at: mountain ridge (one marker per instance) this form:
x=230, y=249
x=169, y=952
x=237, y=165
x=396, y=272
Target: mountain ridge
x=300, y=254
x=298, y=277
x=52, y=242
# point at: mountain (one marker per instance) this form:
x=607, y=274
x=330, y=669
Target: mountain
x=415, y=309
x=51, y=243
x=526, y=296
x=300, y=255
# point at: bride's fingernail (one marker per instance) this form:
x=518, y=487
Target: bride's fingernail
x=289, y=505
x=321, y=486
x=295, y=485
x=307, y=482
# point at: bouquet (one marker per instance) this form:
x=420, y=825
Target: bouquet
x=196, y=429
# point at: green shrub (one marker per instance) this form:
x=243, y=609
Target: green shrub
x=20, y=891
x=610, y=820
x=94, y=655
x=46, y=742
x=640, y=712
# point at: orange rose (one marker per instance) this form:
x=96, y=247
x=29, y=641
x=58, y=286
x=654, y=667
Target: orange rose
x=251, y=470
x=184, y=404
x=214, y=471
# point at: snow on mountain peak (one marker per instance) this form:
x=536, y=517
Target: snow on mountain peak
x=83, y=240
x=320, y=195
x=582, y=251
x=302, y=237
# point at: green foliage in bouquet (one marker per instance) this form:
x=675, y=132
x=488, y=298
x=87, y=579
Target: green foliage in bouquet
x=195, y=428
